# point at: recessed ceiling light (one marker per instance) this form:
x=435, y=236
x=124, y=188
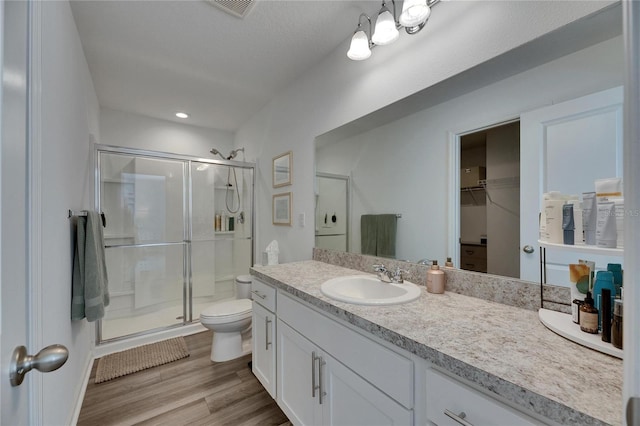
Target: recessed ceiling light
x=182, y=115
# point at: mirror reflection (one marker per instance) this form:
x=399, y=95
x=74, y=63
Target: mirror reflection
x=406, y=159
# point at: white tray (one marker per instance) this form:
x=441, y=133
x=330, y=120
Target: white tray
x=562, y=324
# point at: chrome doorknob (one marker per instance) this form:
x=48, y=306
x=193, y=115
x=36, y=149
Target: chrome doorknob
x=528, y=249
x=48, y=359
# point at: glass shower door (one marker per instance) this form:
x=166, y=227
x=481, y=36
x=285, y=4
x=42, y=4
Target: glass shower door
x=144, y=201
x=221, y=230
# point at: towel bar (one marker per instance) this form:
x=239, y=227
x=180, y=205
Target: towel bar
x=84, y=213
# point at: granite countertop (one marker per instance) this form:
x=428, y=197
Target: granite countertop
x=504, y=349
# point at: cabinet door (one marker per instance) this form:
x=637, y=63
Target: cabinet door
x=350, y=400
x=264, y=348
x=297, y=375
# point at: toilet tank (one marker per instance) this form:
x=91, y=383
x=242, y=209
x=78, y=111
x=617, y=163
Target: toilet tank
x=243, y=287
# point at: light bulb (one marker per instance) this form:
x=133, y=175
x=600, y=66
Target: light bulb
x=414, y=13
x=359, y=48
x=182, y=115
x=385, y=31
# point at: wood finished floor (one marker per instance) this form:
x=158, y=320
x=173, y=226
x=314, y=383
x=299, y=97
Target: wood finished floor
x=191, y=391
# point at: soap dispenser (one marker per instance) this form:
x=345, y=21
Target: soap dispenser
x=435, y=279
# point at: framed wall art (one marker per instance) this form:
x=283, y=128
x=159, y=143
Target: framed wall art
x=282, y=169
x=281, y=209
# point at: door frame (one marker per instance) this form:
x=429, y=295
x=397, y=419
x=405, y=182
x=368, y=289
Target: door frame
x=34, y=209
x=453, y=240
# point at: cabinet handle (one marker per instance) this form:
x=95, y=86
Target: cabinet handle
x=321, y=374
x=267, y=321
x=458, y=418
x=261, y=296
x=469, y=252
x=313, y=374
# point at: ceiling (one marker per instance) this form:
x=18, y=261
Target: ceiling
x=159, y=57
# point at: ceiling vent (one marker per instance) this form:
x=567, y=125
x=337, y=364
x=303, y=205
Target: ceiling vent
x=238, y=8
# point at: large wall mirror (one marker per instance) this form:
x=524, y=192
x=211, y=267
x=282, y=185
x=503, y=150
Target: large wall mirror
x=401, y=165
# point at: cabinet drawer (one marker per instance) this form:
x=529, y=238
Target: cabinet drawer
x=468, y=250
x=387, y=370
x=264, y=294
x=473, y=264
x=447, y=394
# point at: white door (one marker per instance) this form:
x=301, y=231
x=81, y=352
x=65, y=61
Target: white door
x=631, y=339
x=565, y=147
x=13, y=198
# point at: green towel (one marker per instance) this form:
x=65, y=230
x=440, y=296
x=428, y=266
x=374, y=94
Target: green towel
x=90, y=291
x=368, y=234
x=386, y=236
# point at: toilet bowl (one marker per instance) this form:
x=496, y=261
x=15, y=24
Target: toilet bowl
x=230, y=322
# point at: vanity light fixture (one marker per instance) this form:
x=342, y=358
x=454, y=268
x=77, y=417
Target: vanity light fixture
x=413, y=18
x=182, y=115
x=360, y=47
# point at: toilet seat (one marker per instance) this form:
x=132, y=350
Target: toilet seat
x=231, y=310
x=244, y=279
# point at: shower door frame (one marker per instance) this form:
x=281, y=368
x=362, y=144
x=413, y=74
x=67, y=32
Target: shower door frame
x=187, y=208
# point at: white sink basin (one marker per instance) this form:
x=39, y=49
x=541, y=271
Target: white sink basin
x=369, y=290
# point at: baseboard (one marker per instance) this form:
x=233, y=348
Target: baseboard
x=83, y=390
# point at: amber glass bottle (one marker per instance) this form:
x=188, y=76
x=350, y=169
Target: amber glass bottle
x=588, y=316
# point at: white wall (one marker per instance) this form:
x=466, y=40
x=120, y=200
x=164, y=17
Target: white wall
x=403, y=165
x=459, y=35
x=138, y=131
x=69, y=116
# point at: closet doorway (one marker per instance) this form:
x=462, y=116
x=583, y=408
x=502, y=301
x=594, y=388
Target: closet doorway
x=490, y=200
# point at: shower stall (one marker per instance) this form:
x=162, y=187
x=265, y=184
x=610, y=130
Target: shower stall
x=178, y=231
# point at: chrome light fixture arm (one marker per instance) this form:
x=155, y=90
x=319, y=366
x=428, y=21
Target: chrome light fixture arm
x=359, y=28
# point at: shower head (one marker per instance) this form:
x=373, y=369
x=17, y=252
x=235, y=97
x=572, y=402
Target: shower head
x=216, y=152
x=234, y=153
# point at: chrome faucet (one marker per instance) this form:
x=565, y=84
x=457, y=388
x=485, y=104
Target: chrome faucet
x=388, y=276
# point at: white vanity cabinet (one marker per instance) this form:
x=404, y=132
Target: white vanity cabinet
x=322, y=371
x=263, y=343
x=317, y=383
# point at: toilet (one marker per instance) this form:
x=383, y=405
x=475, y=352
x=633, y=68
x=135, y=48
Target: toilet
x=230, y=322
